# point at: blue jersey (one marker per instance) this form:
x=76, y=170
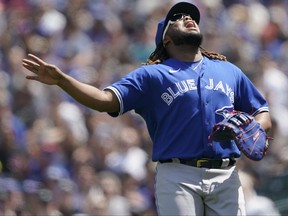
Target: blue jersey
x=181, y=101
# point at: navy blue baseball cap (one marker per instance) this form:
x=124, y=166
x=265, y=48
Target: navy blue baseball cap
x=181, y=7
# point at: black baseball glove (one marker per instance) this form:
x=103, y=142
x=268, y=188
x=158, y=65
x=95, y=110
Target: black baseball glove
x=247, y=133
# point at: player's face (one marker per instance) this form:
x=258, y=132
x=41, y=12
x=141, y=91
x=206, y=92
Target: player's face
x=184, y=30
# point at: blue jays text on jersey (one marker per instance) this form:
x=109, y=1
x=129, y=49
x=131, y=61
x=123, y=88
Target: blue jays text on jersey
x=179, y=104
x=184, y=86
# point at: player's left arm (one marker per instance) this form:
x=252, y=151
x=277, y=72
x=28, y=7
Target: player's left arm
x=264, y=120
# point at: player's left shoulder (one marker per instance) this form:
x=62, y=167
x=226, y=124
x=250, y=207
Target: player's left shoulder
x=157, y=68
x=221, y=65
x=219, y=62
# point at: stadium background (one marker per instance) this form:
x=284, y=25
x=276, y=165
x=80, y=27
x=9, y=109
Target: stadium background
x=60, y=158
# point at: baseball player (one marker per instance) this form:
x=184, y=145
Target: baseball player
x=181, y=92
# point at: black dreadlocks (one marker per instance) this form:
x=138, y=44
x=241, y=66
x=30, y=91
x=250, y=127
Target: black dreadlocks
x=160, y=55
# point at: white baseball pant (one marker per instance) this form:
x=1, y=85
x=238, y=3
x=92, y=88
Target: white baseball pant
x=186, y=190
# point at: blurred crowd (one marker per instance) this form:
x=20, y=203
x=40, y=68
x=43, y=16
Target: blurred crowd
x=61, y=158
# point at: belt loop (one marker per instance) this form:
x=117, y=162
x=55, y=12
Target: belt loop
x=225, y=162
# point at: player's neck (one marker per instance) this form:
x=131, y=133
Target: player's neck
x=185, y=53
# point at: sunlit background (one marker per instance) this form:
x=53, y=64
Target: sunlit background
x=61, y=158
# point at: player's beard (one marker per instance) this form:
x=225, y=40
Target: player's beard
x=186, y=38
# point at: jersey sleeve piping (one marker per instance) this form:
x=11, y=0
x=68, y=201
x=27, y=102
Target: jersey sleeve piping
x=119, y=97
x=262, y=109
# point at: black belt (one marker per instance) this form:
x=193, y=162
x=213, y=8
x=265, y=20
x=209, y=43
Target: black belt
x=205, y=163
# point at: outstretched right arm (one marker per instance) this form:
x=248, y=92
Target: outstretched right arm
x=90, y=96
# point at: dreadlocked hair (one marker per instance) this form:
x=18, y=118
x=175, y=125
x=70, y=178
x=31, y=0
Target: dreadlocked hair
x=157, y=56
x=160, y=55
x=212, y=55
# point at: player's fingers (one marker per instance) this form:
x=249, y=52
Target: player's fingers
x=31, y=66
x=29, y=62
x=33, y=78
x=37, y=60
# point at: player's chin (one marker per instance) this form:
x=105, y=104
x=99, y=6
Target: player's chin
x=193, y=30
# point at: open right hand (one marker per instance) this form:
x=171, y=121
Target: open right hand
x=43, y=72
